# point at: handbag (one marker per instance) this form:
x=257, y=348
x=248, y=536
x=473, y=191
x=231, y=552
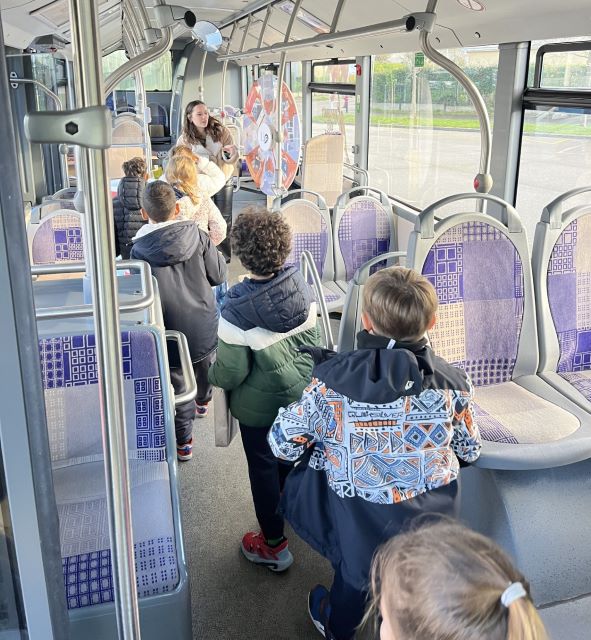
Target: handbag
x=226, y=425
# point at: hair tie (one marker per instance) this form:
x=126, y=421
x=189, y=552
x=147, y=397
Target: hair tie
x=513, y=592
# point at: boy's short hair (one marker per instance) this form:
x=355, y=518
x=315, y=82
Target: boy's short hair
x=159, y=201
x=135, y=168
x=400, y=303
x=261, y=240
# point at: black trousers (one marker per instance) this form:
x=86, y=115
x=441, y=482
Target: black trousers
x=185, y=413
x=267, y=476
x=223, y=201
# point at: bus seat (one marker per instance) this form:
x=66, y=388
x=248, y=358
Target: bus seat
x=562, y=279
x=351, y=317
x=536, y=454
x=322, y=166
x=69, y=373
x=57, y=238
x=363, y=228
x=311, y=231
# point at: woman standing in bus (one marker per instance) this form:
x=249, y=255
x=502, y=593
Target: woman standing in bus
x=208, y=137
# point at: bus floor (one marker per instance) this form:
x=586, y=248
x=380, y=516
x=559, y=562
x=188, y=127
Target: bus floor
x=232, y=599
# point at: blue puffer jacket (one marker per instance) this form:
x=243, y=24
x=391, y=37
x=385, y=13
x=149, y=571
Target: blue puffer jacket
x=263, y=324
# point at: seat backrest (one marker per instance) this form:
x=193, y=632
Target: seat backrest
x=322, y=166
x=158, y=113
x=480, y=269
x=311, y=231
x=70, y=377
x=351, y=318
x=363, y=229
x=128, y=141
x=561, y=260
x=58, y=238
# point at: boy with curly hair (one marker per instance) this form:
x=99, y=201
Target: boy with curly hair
x=264, y=320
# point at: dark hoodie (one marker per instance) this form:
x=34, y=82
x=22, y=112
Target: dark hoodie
x=382, y=428
x=127, y=213
x=186, y=265
x=263, y=324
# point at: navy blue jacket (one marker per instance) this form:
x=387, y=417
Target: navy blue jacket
x=186, y=265
x=263, y=324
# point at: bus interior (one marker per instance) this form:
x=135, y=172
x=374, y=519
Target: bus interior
x=450, y=136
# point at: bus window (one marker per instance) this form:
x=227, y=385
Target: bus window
x=157, y=75
x=333, y=97
x=424, y=140
x=556, y=142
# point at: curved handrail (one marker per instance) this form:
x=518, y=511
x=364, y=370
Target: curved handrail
x=483, y=180
x=552, y=212
x=321, y=202
x=358, y=170
x=362, y=273
x=307, y=263
x=190, y=384
x=343, y=199
x=145, y=300
x=426, y=224
x=126, y=69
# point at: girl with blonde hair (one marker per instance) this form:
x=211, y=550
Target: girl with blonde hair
x=444, y=581
x=194, y=203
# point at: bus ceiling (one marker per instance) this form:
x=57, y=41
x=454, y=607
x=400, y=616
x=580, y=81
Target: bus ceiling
x=262, y=23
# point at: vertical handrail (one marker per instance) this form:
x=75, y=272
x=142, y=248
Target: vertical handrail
x=100, y=249
x=202, y=77
x=280, y=74
x=307, y=263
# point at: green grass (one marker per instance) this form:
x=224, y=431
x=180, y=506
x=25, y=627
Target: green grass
x=461, y=122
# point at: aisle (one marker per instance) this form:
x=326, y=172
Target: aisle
x=233, y=599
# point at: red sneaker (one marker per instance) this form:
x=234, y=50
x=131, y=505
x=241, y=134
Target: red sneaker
x=256, y=549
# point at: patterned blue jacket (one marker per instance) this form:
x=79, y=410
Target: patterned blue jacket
x=384, y=427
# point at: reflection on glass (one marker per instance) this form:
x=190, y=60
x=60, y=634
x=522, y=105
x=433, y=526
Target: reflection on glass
x=334, y=73
x=424, y=139
x=11, y=610
x=295, y=84
x=555, y=157
x=334, y=113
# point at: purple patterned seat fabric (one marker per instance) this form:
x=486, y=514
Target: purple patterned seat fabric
x=478, y=276
x=569, y=295
x=364, y=233
x=58, y=240
x=69, y=371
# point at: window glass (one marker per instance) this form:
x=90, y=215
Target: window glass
x=562, y=69
x=424, y=139
x=295, y=84
x=334, y=73
x=555, y=157
x=157, y=75
x=12, y=619
x=334, y=113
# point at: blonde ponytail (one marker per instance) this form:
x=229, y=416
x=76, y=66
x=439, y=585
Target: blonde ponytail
x=443, y=581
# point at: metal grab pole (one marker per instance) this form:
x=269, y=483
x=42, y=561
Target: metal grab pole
x=202, y=77
x=100, y=251
x=279, y=129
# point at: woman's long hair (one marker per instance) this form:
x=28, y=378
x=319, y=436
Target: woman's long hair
x=190, y=132
x=181, y=173
x=445, y=581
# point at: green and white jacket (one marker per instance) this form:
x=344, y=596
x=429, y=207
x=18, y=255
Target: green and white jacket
x=263, y=324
